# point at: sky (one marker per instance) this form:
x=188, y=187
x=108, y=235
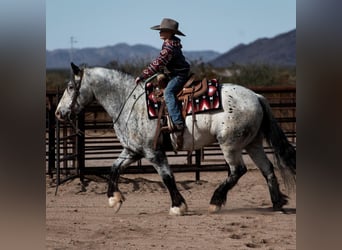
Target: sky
x=217, y=25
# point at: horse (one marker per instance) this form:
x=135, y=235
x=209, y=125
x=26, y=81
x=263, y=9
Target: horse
x=244, y=121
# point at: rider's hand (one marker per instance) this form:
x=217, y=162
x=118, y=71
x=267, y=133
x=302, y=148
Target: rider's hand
x=137, y=80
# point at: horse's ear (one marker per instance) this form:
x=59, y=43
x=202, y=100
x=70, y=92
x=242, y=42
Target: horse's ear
x=75, y=69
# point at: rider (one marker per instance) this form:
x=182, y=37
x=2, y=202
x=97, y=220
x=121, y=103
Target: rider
x=172, y=59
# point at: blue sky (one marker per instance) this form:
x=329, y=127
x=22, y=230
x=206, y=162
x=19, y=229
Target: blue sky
x=217, y=25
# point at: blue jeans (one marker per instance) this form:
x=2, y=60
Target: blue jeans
x=173, y=87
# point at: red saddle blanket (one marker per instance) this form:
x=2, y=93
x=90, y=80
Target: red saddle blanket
x=211, y=100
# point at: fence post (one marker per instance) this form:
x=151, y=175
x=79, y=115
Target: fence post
x=58, y=178
x=80, y=147
x=198, y=163
x=52, y=138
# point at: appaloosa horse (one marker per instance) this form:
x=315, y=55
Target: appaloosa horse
x=243, y=122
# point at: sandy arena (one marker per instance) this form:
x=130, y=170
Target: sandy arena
x=79, y=218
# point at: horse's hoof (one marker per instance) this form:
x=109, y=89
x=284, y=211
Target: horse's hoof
x=214, y=209
x=279, y=205
x=116, y=201
x=181, y=210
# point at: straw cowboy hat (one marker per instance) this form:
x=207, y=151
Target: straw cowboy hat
x=168, y=24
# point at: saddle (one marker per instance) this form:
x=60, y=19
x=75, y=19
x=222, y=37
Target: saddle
x=196, y=96
x=191, y=90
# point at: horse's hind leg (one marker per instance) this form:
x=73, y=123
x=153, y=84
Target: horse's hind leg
x=257, y=153
x=160, y=163
x=237, y=169
x=115, y=198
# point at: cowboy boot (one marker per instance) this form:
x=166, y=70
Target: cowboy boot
x=177, y=135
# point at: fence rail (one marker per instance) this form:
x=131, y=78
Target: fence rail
x=71, y=155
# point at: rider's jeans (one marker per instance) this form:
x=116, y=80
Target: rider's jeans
x=171, y=90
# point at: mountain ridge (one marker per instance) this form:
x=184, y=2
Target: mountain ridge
x=121, y=52
x=279, y=50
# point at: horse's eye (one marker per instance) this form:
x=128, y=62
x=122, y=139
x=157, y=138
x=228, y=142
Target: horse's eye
x=70, y=87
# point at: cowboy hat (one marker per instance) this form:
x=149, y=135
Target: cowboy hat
x=168, y=24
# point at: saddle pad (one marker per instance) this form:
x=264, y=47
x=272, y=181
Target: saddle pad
x=211, y=100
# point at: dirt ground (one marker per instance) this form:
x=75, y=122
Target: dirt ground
x=80, y=218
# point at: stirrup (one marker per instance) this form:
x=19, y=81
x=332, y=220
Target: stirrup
x=170, y=124
x=177, y=140
x=178, y=128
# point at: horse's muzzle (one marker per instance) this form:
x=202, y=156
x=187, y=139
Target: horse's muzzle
x=59, y=115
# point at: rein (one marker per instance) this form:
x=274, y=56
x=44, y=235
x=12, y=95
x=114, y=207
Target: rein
x=77, y=86
x=123, y=105
x=130, y=94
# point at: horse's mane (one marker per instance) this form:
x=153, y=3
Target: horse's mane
x=122, y=73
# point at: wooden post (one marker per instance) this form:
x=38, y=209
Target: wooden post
x=58, y=156
x=80, y=147
x=198, y=163
x=52, y=138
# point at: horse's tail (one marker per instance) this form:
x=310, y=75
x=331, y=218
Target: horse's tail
x=284, y=152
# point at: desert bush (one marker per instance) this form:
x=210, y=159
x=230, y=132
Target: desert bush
x=248, y=75
x=56, y=79
x=261, y=75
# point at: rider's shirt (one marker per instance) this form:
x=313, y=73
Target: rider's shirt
x=170, y=58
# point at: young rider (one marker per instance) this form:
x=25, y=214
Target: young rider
x=172, y=59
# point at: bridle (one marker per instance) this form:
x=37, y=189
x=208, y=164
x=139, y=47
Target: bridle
x=76, y=85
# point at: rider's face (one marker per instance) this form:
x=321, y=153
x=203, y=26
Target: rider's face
x=165, y=34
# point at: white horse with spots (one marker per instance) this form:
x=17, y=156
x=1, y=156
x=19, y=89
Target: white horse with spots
x=244, y=121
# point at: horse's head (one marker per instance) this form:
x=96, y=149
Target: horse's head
x=75, y=96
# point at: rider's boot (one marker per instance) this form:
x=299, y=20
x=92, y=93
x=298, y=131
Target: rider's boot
x=177, y=134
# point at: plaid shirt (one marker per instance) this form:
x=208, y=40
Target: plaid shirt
x=171, y=58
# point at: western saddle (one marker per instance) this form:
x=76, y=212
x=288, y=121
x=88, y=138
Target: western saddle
x=191, y=90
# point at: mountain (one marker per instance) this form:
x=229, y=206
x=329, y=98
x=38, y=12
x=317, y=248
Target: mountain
x=279, y=50
x=121, y=53
x=200, y=56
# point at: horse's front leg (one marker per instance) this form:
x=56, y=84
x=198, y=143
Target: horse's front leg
x=115, y=197
x=160, y=163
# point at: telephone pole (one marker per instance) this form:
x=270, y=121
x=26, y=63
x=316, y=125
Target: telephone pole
x=72, y=42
